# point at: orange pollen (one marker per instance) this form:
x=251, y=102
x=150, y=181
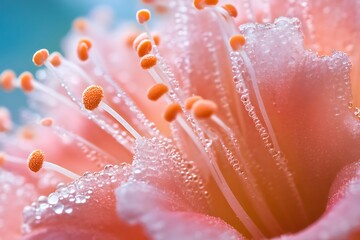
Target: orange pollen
x=83, y=51
x=27, y=133
x=171, y=111
x=189, y=102
x=144, y=47
x=199, y=4
x=237, y=41
x=80, y=24
x=130, y=38
x=92, y=97
x=47, y=122
x=231, y=9
x=211, y=2
x=148, y=61
x=156, y=91
x=7, y=80
x=147, y=1
x=36, y=160
x=204, y=109
x=143, y=16
x=55, y=60
x=26, y=79
x=156, y=38
x=40, y=57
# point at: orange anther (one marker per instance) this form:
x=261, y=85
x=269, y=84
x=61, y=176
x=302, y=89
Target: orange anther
x=144, y=47
x=92, y=97
x=231, y=9
x=47, y=122
x=204, y=109
x=80, y=24
x=189, y=102
x=36, y=160
x=27, y=133
x=156, y=38
x=237, y=41
x=199, y=4
x=156, y=91
x=147, y=1
x=7, y=80
x=26, y=79
x=40, y=57
x=143, y=15
x=83, y=48
x=171, y=112
x=55, y=59
x=148, y=61
x=211, y=2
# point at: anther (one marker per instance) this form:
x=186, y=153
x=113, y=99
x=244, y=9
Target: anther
x=189, y=102
x=156, y=91
x=80, y=24
x=200, y=4
x=26, y=79
x=36, y=160
x=55, y=59
x=144, y=47
x=92, y=97
x=143, y=16
x=204, y=109
x=47, y=122
x=83, y=48
x=144, y=36
x=2, y=159
x=40, y=57
x=7, y=80
x=148, y=61
x=237, y=41
x=231, y=9
x=211, y=2
x=171, y=112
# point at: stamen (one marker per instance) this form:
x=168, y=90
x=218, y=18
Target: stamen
x=200, y=4
x=143, y=16
x=143, y=36
x=189, y=102
x=148, y=61
x=83, y=48
x=36, y=161
x=204, y=109
x=40, y=57
x=237, y=41
x=156, y=91
x=231, y=9
x=144, y=47
x=80, y=25
x=26, y=81
x=47, y=122
x=55, y=59
x=171, y=112
x=92, y=97
x=7, y=80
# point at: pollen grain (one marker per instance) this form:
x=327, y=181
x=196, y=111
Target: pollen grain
x=92, y=97
x=36, y=160
x=156, y=91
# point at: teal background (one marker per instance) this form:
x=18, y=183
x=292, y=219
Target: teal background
x=28, y=25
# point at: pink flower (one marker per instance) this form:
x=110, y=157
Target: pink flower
x=266, y=149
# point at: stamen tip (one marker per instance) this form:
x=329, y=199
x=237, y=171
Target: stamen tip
x=36, y=160
x=189, y=102
x=7, y=80
x=237, y=41
x=83, y=48
x=26, y=83
x=47, y=122
x=148, y=61
x=171, y=112
x=92, y=97
x=143, y=16
x=156, y=91
x=204, y=109
x=40, y=57
x=144, y=47
x=55, y=59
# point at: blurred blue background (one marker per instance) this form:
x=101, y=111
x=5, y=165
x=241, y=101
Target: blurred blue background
x=26, y=26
